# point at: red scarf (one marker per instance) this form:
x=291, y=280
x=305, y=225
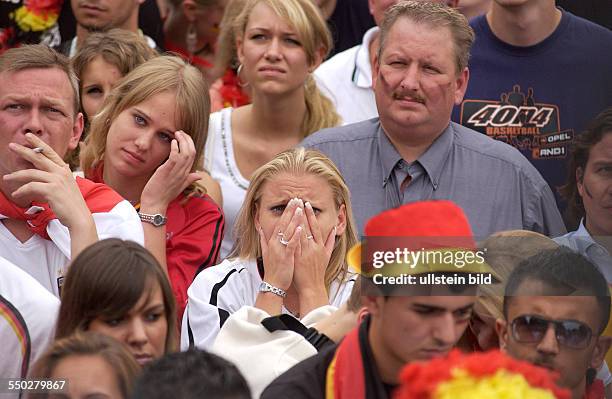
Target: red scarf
x=345, y=375
x=98, y=197
x=595, y=391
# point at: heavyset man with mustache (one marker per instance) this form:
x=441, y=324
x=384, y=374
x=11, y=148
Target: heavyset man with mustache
x=413, y=152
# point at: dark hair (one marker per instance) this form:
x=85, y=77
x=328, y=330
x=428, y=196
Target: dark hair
x=192, y=374
x=581, y=149
x=563, y=272
x=89, y=344
x=107, y=279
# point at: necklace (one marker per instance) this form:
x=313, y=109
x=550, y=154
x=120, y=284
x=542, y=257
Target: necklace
x=224, y=120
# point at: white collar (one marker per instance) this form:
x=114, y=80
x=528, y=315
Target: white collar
x=362, y=73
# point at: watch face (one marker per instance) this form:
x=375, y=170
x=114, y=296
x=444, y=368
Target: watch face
x=158, y=220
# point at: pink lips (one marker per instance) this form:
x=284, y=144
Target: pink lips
x=135, y=157
x=271, y=69
x=143, y=359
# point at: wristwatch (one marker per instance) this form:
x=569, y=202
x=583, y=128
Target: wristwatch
x=156, y=220
x=265, y=287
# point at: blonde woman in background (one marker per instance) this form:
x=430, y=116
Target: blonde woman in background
x=279, y=43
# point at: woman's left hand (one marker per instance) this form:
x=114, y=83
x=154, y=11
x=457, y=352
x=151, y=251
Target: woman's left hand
x=311, y=261
x=172, y=177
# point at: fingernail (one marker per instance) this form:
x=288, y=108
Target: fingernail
x=298, y=211
x=308, y=205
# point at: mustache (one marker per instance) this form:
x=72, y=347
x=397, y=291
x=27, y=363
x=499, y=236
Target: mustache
x=404, y=95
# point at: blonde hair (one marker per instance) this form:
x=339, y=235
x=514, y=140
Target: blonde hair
x=304, y=16
x=297, y=162
x=159, y=75
x=504, y=252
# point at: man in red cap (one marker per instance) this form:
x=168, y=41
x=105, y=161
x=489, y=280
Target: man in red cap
x=405, y=323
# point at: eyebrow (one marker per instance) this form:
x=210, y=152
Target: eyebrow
x=257, y=28
x=441, y=309
x=149, y=119
x=602, y=163
x=152, y=308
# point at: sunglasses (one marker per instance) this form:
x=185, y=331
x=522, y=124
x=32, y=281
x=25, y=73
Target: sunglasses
x=530, y=329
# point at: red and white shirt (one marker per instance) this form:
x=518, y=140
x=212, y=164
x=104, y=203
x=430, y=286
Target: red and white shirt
x=46, y=259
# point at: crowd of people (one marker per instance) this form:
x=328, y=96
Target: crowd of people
x=194, y=205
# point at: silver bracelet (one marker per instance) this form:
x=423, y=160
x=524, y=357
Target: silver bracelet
x=265, y=287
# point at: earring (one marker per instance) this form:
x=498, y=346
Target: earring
x=240, y=82
x=191, y=39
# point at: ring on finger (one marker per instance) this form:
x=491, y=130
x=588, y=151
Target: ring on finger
x=310, y=237
x=280, y=234
x=283, y=241
x=38, y=150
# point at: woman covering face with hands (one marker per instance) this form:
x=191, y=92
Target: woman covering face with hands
x=145, y=143
x=294, y=231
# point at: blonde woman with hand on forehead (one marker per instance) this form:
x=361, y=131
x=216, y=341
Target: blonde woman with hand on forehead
x=145, y=143
x=279, y=44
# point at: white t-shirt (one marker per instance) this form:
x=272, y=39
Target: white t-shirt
x=28, y=313
x=346, y=79
x=220, y=162
x=219, y=291
x=46, y=260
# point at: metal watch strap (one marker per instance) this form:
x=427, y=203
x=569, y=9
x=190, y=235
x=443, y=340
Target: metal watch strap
x=265, y=287
x=156, y=220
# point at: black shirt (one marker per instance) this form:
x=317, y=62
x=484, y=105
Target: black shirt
x=306, y=380
x=348, y=23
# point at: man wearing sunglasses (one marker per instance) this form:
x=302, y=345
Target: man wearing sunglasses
x=556, y=305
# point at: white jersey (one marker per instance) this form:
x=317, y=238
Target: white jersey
x=46, y=260
x=28, y=313
x=222, y=290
